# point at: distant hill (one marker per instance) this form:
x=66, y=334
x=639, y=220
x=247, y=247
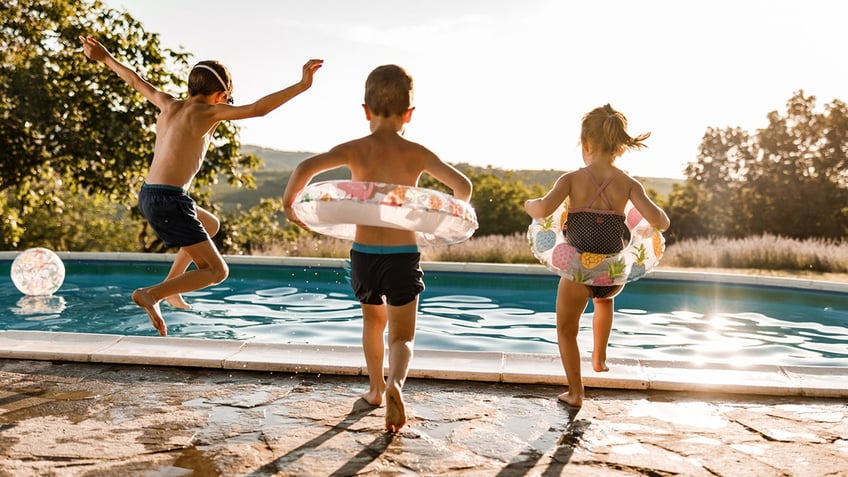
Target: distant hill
x=272, y=177
x=276, y=160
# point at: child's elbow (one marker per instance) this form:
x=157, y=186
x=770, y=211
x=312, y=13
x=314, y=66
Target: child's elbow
x=463, y=191
x=664, y=223
x=533, y=208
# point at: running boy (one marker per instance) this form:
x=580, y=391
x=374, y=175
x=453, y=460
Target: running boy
x=385, y=272
x=184, y=129
x=598, y=193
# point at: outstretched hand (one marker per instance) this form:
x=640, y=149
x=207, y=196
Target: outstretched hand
x=92, y=48
x=309, y=70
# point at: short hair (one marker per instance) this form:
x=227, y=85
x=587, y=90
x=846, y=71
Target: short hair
x=202, y=81
x=388, y=91
x=606, y=129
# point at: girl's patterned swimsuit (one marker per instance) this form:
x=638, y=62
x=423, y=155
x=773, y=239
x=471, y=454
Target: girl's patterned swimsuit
x=597, y=231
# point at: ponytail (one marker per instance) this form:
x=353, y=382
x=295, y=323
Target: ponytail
x=606, y=129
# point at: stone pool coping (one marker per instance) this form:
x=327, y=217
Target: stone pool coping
x=518, y=368
x=524, y=368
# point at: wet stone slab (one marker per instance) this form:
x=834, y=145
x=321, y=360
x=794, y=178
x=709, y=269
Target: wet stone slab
x=71, y=419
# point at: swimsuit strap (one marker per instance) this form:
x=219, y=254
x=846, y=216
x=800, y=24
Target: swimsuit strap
x=599, y=192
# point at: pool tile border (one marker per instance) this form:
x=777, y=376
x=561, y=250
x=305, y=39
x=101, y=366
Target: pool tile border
x=821, y=382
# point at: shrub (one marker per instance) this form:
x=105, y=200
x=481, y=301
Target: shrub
x=765, y=252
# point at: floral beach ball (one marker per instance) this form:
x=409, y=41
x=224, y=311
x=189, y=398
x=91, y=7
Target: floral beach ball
x=38, y=271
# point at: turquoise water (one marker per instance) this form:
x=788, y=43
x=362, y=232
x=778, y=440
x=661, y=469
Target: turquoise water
x=655, y=319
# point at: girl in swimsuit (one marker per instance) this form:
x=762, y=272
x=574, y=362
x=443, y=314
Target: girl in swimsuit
x=601, y=191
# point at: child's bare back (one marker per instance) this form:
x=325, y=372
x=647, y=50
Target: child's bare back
x=183, y=132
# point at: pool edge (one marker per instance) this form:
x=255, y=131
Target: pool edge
x=508, y=268
x=515, y=368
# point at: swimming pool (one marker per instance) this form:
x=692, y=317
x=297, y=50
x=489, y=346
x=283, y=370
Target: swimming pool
x=500, y=308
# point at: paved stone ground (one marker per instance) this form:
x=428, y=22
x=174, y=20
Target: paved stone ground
x=71, y=419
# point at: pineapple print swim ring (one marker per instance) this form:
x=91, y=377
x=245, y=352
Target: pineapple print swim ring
x=334, y=208
x=640, y=257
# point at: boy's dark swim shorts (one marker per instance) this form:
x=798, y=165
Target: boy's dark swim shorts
x=393, y=272
x=172, y=214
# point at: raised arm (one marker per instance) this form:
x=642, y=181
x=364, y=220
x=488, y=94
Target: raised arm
x=97, y=52
x=270, y=102
x=305, y=171
x=547, y=205
x=649, y=210
x=451, y=177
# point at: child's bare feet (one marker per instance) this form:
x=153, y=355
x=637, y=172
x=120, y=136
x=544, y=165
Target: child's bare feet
x=395, y=408
x=570, y=399
x=599, y=361
x=151, y=306
x=177, y=301
x=374, y=398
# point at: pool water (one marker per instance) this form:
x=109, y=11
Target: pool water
x=654, y=319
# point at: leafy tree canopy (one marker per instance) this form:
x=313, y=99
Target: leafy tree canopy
x=789, y=178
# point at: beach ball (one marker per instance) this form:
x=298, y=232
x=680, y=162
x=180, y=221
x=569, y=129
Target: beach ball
x=38, y=271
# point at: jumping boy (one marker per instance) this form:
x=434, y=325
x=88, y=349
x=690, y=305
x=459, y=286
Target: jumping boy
x=184, y=129
x=385, y=272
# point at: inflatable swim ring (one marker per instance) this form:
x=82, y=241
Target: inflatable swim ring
x=639, y=257
x=335, y=208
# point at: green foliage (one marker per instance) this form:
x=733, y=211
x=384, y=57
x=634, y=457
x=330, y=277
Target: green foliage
x=72, y=221
x=65, y=115
x=244, y=233
x=66, y=118
x=500, y=204
x=788, y=179
x=498, y=199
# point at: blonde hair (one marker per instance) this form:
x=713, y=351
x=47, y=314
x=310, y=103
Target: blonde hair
x=388, y=91
x=606, y=129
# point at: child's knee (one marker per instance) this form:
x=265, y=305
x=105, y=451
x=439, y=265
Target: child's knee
x=214, y=226
x=219, y=274
x=567, y=333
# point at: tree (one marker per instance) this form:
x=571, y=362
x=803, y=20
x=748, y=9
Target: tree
x=688, y=218
x=800, y=171
x=787, y=179
x=500, y=204
x=68, y=121
x=713, y=186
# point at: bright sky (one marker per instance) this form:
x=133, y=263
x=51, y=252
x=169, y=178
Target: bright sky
x=506, y=83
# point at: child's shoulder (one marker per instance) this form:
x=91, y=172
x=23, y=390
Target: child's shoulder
x=627, y=177
x=570, y=175
x=353, y=144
